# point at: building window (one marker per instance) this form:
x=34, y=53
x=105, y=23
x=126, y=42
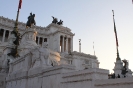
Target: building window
x=6, y=35
x=37, y=40
x=45, y=39
x=40, y=42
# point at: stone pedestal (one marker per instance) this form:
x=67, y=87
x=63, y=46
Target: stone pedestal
x=118, y=67
x=28, y=41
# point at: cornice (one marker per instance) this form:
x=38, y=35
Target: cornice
x=66, y=32
x=58, y=31
x=83, y=54
x=82, y=80
x=85, y=72
x=114, y=82
x=58, y=26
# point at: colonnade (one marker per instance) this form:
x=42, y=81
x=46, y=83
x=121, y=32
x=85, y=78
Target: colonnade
x=66, y=44
x=4, y=35
x=40, y=40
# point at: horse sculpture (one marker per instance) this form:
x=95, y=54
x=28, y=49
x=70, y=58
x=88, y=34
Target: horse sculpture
x=31, y=20
x=60, y=22
x=55, y=20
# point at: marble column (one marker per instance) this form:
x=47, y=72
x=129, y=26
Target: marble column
x=4, y=36
x=71, y=44
x=48, y=41
x=66, y=44
x=42, y=40
x=62, y=43
x=58, y=42
x=9, y=34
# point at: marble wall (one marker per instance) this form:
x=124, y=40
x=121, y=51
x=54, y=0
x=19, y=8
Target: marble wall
x=65, y=76
x=114, y=83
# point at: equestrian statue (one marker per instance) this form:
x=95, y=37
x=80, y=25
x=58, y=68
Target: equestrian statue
x=31, y=21
x=55, y=21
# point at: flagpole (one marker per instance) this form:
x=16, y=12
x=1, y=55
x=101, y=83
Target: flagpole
x=118, y=58
x=93, y=49
x=16, y=23
x=16, y=29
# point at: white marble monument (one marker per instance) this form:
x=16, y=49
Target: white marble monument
x=47, y=60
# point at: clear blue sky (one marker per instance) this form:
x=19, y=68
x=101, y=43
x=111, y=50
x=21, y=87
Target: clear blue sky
x=90, y=20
